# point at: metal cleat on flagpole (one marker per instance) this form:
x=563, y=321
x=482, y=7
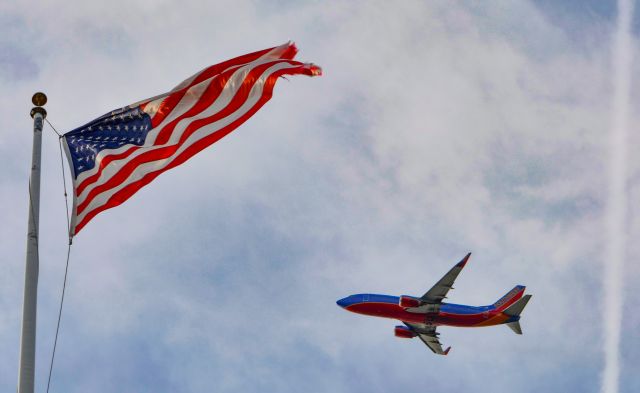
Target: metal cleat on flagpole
x=28, y=336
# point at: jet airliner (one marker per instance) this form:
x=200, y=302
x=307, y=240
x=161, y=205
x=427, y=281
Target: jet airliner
x=422, y=315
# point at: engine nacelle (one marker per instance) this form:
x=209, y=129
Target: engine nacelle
x=408, y=301
x=404, y=332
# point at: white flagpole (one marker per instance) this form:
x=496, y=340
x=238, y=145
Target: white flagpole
x=28, y=337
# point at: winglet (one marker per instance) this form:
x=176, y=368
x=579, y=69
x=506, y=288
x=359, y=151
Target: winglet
x=446, y=351
x=464, y=260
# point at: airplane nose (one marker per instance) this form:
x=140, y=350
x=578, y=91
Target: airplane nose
x=342, y=302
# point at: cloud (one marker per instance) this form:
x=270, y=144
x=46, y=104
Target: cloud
x=437, y=129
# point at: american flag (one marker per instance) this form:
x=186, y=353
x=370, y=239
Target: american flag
x=116, y=154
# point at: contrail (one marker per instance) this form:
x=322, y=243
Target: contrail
x=617, y=198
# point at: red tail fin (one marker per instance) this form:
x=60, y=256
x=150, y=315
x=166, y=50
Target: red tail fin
x=511, y=297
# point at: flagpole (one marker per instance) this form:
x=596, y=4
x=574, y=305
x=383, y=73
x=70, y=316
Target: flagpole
x=28, y=336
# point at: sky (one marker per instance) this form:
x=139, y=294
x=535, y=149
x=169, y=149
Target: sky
x=438, y=128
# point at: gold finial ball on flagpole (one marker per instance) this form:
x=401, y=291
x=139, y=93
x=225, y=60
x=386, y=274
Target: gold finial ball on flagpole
x=39, y=99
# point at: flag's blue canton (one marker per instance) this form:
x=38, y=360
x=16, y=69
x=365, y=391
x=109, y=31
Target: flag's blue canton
x=126, y=126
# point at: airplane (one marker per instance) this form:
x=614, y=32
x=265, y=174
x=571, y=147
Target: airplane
x=421, y=316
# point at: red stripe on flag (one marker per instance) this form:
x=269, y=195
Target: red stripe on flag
x=240, y=60
x=104, y=162
x=208, y=97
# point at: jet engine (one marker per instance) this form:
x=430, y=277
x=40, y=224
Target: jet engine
x=404, y=332
x=408, y=301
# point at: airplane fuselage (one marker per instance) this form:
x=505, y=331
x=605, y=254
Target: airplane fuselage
x=447, y=314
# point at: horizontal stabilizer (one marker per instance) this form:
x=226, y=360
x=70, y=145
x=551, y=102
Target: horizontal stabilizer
x=515, y=326
x=516, y=308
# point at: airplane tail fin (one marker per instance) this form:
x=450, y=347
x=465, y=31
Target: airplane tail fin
x=510, y=298
x=514, y=311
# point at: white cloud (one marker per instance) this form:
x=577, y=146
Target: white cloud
x=437, y=129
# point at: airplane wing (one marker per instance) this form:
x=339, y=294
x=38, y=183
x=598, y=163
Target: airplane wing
x=429, y=336
x=442, y=287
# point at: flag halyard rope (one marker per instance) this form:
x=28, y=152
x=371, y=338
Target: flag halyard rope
x=66, y=269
